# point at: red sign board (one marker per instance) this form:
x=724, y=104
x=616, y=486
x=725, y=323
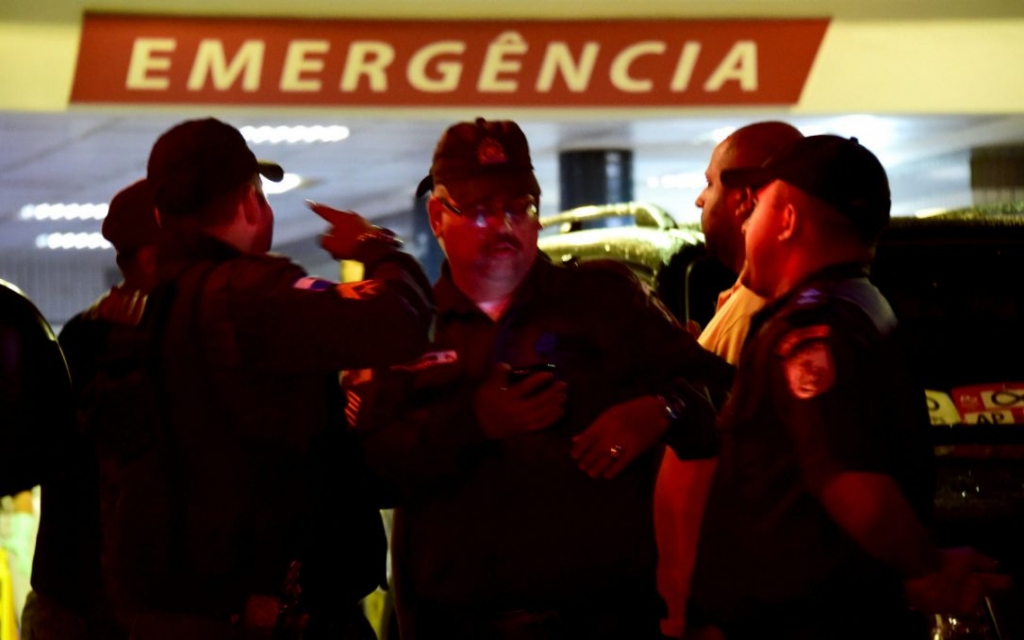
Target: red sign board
x=403, y=63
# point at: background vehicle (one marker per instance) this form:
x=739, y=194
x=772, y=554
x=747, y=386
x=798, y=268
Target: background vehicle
x=955, y=281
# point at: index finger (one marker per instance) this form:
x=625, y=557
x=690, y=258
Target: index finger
x=330, y=214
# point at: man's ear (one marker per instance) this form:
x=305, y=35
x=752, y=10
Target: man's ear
x=790, y=221
x=435, y=210
x=251, y=205
x=741, y=202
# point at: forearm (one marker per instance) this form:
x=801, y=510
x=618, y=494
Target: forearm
x=872, y=510
x=421, y=448
x=402, y=267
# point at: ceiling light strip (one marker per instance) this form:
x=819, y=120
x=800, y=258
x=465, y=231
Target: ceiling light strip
x=294, y=135
x=61, y=211
x=78, y=241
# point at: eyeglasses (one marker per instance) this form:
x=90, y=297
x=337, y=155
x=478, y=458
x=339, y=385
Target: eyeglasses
x=515, y=211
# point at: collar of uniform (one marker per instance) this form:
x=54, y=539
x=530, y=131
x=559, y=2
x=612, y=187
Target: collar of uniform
x=833, y=272
x=177, y=250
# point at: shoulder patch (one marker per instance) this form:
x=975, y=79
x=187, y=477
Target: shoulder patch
x=310, y=283
x=362, y=290
x=807, y=360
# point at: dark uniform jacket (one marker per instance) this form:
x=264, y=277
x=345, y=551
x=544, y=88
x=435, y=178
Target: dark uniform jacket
x=66, y=564
x=822, y=389
x=248, y=361
x=515, y=523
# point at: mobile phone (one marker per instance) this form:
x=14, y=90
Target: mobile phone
x=517, y=375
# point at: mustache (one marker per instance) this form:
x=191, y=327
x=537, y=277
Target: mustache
x=504, y=238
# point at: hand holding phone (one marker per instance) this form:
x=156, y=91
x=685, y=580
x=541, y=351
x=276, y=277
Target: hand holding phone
x=516, y=401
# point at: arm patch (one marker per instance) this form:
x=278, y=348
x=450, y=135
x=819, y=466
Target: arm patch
x=363, y=290
x=807, y=361
x=309, y=283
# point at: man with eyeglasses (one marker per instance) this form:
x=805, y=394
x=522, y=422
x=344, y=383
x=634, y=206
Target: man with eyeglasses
x=523, y=446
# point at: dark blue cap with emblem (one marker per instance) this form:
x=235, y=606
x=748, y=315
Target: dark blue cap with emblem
x=839, y=171
x=474, y=160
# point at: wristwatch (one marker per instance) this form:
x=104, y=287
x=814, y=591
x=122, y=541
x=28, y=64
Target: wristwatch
x=674, y=406
x=381, y=235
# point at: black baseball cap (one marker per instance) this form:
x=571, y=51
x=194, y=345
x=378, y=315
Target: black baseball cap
x=197, y=161
x=839, y=171
x=130, y=223
x=476, y=159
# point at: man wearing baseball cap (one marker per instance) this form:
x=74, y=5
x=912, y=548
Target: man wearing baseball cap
x=814, y=526
x=234, y=535
x=523, y=444
x=683, y=485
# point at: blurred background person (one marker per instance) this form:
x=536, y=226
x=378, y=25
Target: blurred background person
x=681, y=490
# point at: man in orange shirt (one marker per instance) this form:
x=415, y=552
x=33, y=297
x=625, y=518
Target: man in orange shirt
x=682, y=486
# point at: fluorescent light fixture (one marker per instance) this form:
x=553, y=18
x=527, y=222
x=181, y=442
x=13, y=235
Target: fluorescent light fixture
x=293, y=135
x=61, y=211
x=288, y=182
x=873, y=132
x=93, y=240
x=721, y=133
x=691, y=180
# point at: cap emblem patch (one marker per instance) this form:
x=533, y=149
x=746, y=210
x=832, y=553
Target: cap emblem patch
x=491, y=152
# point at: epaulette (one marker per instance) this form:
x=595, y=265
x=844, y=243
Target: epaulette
x=807, y=306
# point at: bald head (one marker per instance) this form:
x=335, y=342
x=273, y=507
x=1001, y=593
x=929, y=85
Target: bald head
x=723, y=210
x=752, y=145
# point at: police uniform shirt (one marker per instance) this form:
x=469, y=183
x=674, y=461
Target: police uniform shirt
x=515, y=520
x=822, y=389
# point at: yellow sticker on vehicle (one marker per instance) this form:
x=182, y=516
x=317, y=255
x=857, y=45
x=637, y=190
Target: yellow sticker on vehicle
x=941, y=410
